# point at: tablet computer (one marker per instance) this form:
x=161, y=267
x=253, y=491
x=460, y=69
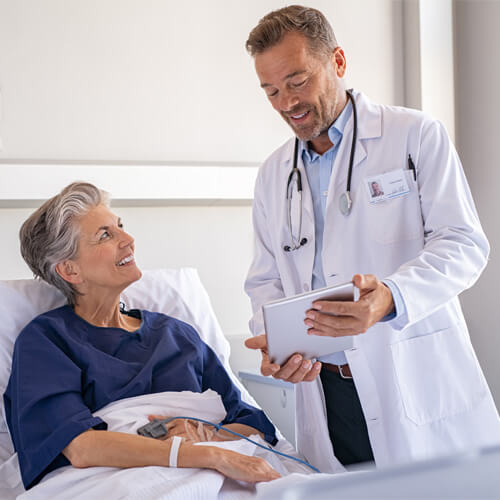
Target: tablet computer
x=287, y=333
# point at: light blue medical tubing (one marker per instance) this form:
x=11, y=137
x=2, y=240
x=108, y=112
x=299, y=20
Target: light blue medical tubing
x=268, y=448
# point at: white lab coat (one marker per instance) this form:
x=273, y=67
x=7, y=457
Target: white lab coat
x=421, y=388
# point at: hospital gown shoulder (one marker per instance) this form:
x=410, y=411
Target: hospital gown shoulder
x=49, y=324
x=164, y=323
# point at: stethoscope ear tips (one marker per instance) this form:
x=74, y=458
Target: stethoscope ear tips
x=288, y=248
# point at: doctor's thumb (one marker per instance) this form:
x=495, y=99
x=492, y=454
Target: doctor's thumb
x=258, y=342
x=359, y=281
x=365, y=282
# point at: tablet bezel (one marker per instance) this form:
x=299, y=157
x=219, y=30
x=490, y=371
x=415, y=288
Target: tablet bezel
x=288, y=314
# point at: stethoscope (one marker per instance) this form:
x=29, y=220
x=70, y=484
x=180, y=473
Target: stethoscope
x=345, y=202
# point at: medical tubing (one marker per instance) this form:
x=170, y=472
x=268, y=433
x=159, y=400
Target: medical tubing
x=268, y=448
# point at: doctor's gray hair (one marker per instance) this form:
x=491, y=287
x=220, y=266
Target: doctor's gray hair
x=309, y=22
x=51, y=234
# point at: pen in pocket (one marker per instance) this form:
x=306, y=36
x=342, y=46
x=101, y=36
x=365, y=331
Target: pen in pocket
x=411, y=166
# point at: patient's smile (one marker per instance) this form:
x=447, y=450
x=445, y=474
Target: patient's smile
x=126, y=260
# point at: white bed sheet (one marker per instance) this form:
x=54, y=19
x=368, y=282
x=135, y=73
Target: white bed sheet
x=6, y=448
x=151, y=482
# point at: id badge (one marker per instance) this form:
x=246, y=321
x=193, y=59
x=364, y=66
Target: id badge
x=383, y=187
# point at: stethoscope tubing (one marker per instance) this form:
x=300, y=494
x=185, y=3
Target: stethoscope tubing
x=346, y=196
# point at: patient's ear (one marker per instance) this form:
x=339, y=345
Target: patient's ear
x=69, y=271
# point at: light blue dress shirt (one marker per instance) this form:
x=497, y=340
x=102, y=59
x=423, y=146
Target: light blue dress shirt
x=318, y=170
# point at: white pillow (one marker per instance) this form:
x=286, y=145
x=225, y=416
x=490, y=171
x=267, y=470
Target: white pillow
x=176, y=292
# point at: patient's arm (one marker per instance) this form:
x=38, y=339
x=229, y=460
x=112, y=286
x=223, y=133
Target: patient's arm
x=198, y=431
x=246, y=430
x=115, y=449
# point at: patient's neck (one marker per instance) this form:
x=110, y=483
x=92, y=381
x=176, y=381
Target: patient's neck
x=105, y=312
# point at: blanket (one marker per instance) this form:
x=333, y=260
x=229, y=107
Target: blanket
x=154, y=483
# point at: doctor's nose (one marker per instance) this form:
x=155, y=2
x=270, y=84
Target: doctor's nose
x=287, y=102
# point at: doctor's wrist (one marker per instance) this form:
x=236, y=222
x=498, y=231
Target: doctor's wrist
x=390, y=308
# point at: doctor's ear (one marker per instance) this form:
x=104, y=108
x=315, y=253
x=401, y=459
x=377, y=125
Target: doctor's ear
x=69, y=271
x=339, y=61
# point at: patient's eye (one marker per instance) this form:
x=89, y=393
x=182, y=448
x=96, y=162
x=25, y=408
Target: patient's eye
x=104, y=235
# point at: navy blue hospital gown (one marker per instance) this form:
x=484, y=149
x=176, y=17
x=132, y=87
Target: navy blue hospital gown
x=64, y=368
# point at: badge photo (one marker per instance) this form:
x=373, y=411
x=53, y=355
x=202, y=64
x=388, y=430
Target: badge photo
x=383, y=187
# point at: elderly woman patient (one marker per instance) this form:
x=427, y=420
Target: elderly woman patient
x=76, y=359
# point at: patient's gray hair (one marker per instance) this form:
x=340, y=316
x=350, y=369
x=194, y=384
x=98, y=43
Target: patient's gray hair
x=51, y=234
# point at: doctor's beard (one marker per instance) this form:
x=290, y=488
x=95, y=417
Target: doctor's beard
x=319, y=121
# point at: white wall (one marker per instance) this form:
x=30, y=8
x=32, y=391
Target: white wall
x=477, y=43
x=161, y=79
x=167, y=81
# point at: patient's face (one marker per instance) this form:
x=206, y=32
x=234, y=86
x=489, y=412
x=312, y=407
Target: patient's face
x=106, y=252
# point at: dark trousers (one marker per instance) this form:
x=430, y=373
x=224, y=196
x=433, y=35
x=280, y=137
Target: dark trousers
x=346, y=422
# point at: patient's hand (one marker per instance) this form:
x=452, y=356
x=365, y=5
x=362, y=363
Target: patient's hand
x=191, y=430
x=244, y=468
x=230, y=463
x=195, y=431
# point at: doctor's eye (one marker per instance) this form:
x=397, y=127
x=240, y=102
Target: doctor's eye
x=299, y=84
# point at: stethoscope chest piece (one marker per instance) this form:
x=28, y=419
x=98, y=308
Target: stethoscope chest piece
x=345, y=203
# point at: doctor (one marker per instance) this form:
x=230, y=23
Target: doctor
x=411, y=388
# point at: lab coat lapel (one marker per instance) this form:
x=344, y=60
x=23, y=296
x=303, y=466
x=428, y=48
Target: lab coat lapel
x=369, y=127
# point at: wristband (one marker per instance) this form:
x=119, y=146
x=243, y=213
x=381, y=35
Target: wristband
x=174, y=451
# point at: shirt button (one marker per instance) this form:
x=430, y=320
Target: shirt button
x=306, y=287
x=325, y=193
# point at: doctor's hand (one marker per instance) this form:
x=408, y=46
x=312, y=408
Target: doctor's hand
x=351, y=318
x=295, y=370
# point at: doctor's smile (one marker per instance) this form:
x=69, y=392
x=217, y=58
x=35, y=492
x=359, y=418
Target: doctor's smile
x=297, y=118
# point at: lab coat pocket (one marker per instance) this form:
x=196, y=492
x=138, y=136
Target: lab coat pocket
x=397, y=219
x=438, y=375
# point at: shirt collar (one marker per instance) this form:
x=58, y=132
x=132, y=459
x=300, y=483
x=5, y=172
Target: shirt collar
x=335, y=133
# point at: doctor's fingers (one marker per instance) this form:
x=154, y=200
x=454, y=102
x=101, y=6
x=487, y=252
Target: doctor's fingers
x=317, y=320
x=336, y=307
x=267, y=368
x=257, y=342
x=297, y=369
x=335, y=326
x=303, y=374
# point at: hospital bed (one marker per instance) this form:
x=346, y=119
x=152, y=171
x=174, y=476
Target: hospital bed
x=178, y=293
x=181, y=294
